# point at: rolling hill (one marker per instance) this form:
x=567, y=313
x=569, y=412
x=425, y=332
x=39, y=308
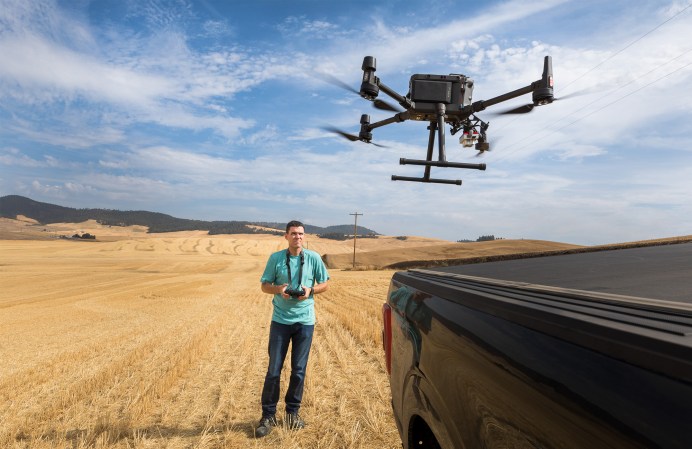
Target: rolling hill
x=12, y=206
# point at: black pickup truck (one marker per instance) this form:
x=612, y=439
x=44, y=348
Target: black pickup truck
x=588, y=350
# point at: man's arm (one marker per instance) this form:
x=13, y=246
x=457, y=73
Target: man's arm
x=321, y=274
x=269, y=277
x=272, y=289
x=320, y=288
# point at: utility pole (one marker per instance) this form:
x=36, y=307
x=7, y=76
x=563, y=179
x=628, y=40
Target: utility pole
x=355, y=233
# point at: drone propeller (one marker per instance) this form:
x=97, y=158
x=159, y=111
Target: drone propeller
x=351, y=137
x=523, y=109
x=378, y=104
x=526, y=108
x=345, y=135
x=331, y=79
x=384, y=106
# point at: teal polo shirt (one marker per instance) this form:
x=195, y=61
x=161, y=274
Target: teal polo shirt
x=290, y=311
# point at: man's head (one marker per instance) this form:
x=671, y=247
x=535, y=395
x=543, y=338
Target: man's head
x=295, y=231
x=294, y=224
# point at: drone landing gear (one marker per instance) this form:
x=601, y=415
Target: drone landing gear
x=436, y=127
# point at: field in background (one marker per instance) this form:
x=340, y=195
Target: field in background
x=371, y=253
x=149, y=341
x=161, y=342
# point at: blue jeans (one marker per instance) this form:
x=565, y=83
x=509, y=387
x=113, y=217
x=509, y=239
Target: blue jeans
x=280, y=335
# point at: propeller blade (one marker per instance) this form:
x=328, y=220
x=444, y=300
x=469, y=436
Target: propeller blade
x=378, y=104
x=518, y=110
x=331, y=79
x=351, y=137
x=599, y=89
x=577, y=93
x=383, y=105
x=530, y=106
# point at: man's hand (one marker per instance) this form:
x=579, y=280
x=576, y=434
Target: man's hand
x=308, y=291
x=282, y=291
x=275, y=289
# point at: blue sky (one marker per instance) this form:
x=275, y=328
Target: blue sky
x=215, y=110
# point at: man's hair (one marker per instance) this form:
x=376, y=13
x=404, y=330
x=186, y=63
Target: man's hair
x=294, y=224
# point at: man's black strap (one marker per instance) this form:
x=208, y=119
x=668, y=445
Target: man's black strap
x=300, y=269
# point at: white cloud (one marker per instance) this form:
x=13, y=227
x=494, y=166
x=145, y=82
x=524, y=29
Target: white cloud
x=147, y=116
x=33, y=62
x=216, y=28
x=12, y=157
x=263, y=137
x=316, y=29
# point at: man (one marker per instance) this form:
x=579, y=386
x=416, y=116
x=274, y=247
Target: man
x=293, y=276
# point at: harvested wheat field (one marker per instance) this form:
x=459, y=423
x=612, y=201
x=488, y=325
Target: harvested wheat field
x=139, y=340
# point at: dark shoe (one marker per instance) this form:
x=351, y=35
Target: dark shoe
x=294, y=421
x=265, y=426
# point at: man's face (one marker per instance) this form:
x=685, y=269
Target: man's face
x=295, y=237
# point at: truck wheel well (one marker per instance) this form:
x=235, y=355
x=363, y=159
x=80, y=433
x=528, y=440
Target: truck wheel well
x=420, y=435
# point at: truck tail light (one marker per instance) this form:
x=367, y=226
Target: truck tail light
x=387, y=336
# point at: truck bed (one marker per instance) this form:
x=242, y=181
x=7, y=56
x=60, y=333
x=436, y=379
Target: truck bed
x=655, y=272
x=632, y=304
x=588, y=349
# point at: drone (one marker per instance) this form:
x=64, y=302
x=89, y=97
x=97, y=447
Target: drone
x=441, y=100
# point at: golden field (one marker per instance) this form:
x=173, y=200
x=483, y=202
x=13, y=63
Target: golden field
x=140, y=340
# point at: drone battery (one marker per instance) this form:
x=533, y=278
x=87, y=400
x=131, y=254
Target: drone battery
x=432, y=88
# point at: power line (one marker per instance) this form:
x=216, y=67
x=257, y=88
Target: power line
x=534, y=139
x=626, y=95
x=629, y=45
x=553, y=131
x=617, y=53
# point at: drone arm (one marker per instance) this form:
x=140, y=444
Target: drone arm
x=401, y=100
x=482, y=104
x=542, y=90
x=366, y=127
x=397, y=118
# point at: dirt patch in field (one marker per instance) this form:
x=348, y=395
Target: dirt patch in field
x=510, y=254
x=409, y=254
